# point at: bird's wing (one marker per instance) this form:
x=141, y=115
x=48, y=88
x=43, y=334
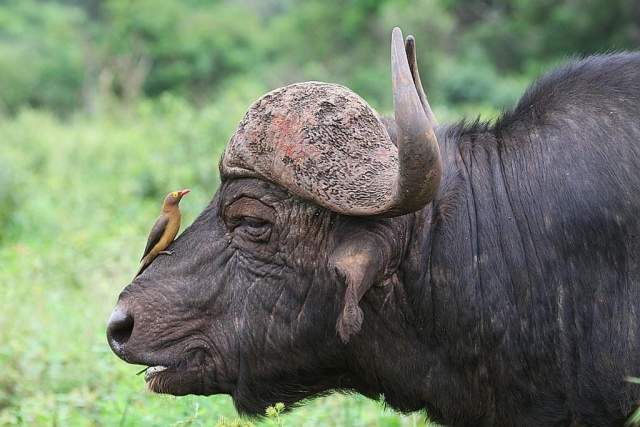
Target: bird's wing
x=156, y=234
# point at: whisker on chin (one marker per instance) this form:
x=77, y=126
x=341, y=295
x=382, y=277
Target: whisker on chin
x=151, y=385
x=143, y=370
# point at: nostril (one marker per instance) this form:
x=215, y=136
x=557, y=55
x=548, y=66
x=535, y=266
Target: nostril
x=119, y=328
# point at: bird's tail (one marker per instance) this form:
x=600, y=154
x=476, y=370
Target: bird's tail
x=143, y=265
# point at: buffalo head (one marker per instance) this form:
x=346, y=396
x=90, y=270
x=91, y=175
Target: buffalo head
x=295, y=264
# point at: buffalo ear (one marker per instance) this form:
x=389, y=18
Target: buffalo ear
x=359, y=263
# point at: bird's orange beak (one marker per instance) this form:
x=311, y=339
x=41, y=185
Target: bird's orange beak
x=184, y=192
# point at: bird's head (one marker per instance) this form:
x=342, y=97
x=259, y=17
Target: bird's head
x=173, y=198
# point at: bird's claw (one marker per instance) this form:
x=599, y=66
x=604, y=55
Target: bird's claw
x=165, y=253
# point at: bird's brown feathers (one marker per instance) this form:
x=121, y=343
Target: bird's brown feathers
x=156, y=233
x=164, y=230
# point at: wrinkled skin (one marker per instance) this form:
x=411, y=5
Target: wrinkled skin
x=270, y=301
x=508, y=300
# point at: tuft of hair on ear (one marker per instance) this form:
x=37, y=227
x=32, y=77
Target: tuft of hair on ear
x=350, y=321
x=359, y=263
x=351, y=269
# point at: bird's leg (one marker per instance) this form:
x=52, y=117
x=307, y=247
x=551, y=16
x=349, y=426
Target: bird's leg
x=165, y=253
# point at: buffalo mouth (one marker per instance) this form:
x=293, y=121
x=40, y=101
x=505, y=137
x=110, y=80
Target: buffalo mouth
x=151, y=374
x=177, y=365
x=189, y=376
x=166, y=380
x=178, y=380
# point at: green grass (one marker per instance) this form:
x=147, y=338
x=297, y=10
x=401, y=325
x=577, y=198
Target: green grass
x=77, y=197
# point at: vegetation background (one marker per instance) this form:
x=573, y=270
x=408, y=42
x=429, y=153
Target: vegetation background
x=105, y=105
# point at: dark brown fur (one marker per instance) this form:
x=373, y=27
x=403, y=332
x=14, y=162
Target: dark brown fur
x=510, y=300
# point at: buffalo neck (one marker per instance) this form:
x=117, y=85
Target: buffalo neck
x=446, y=298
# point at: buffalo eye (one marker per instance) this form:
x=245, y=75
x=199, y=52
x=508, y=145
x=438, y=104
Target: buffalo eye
x=250, y=219
x=254, y=229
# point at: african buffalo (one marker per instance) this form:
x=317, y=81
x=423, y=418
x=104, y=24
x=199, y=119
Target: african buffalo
x=486, y=272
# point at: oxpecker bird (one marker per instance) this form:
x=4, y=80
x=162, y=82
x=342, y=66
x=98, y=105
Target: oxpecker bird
x=164, y=230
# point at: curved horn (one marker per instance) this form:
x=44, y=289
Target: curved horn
x=410, y=47
x=324, y=143
x=420, y=163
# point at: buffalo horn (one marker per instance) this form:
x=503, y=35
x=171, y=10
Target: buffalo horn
x=420, y=165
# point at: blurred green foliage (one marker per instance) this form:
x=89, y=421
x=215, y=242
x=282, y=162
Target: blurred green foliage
x=81, y=196
x=106, y=105
x=68, y=55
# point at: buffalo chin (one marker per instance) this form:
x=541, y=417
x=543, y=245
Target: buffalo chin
x=178, y=382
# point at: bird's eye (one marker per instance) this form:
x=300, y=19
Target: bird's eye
x=174, y=194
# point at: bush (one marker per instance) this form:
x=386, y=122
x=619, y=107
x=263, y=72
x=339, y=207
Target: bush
x=41, y=55
x=73, y=240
